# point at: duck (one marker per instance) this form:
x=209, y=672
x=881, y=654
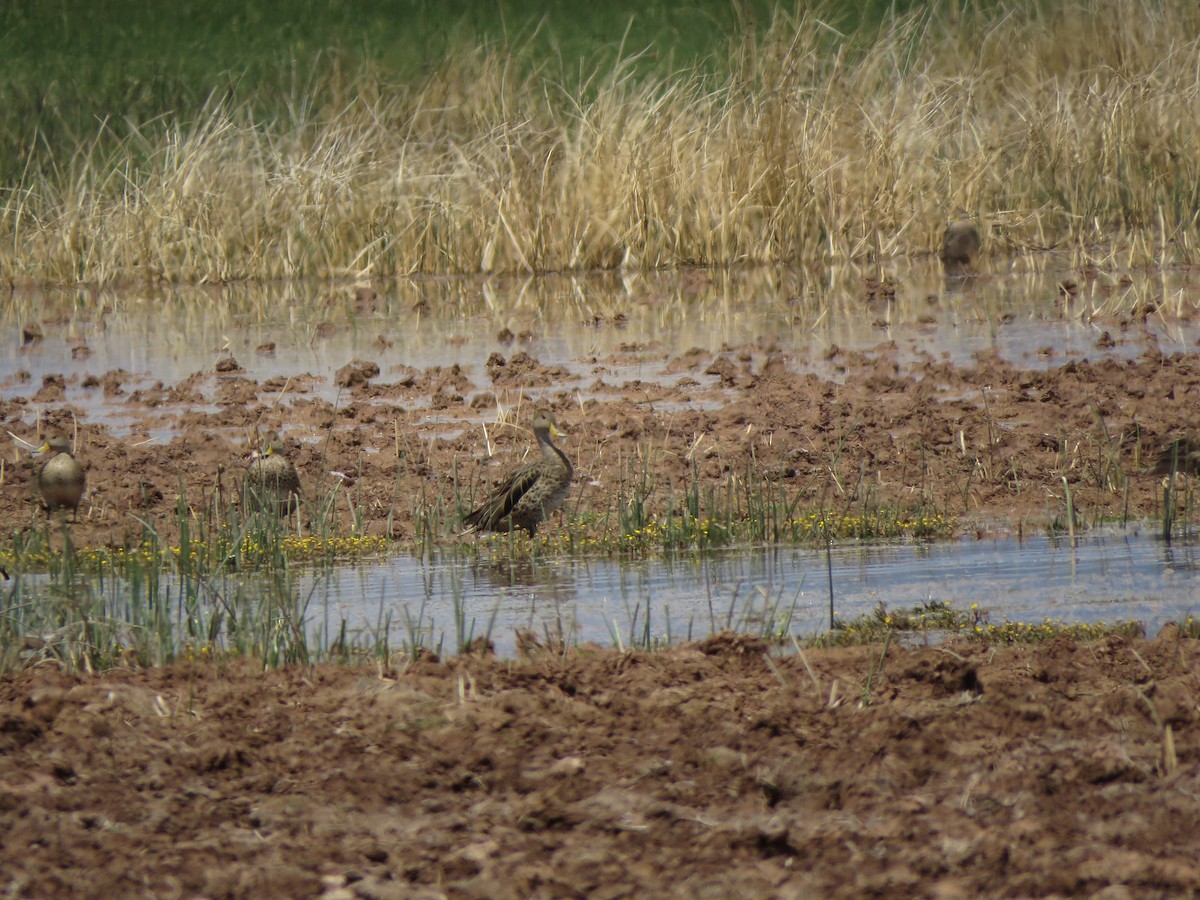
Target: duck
x=272, y=483
x=533, y=492
x=960, y=245
x=1182, y=455
x=61, y=479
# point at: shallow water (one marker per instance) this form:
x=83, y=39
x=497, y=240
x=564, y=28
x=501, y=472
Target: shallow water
x=1110, y=576
x=614, y=327
x=625, y=327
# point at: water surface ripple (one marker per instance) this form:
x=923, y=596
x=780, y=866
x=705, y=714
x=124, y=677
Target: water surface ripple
x=1109, y=576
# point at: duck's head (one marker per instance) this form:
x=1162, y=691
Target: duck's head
x=55, y=443
x=543, y=423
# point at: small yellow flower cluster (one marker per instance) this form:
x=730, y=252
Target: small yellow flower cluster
x=346, y=547
x=192, y=652
x=1036, y=632
x=972, y=625
x=883, y=523
x=197, y=555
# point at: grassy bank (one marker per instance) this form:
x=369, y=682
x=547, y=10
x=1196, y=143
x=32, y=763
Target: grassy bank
x=808, y=137
x=140, y=67
x=71, y=65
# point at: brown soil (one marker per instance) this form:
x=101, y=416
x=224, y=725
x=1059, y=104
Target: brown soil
x=989, y=444
x=955, y=771
x=959, y=771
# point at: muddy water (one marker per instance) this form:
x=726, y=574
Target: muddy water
x=1110, y=576
x=1115, y=576
x=624, y=328
x=614, y=327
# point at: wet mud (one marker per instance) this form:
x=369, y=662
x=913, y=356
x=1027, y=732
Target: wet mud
x=995, y=445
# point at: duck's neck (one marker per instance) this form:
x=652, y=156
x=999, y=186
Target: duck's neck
x=551, y=453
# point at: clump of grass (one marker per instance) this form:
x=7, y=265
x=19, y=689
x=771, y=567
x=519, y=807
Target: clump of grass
x=146, y=607
x=592, y=533
x=1189, y=627
x=972, y=624
x=1037, y=632
x=680, y=532
x=145, y=616
x=641, y=517
x=38, y=555
x=227, y=586
x=814, y=145
x=748, y=509
x=932, y=616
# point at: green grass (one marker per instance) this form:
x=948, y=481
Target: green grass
x=219, y=144
x=119, y=60
x=973, y=624
x=134, y=66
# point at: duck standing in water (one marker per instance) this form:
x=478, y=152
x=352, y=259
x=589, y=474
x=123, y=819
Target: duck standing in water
x=960, y=245
x=61, y=478
x=272, y=483
x=530, y=494
x=1181, y=455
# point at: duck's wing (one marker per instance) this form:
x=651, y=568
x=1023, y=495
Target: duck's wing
x=505, y=499
x=1178, y=456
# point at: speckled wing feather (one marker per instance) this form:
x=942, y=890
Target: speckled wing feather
x=1181, y=455
x=489, y=516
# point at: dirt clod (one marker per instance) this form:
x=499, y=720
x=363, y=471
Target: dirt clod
x=673, y=773
x=356, y=373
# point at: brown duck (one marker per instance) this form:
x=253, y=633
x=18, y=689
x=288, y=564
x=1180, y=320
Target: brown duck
x=272, y=483
x=960, y=245
x=61, y=478
x=1181, y=455
x=530, y=494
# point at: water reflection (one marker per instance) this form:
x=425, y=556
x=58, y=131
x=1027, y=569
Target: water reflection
x=444, y=602
x=1110, y=576
x=616, y=326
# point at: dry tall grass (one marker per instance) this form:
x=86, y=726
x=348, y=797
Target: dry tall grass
x=1079, y=127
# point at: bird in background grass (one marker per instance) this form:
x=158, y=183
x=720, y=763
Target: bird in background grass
x=1182, y=455
x=272, y=483
x=61, y=479
x=960, y=245
x=533, y=492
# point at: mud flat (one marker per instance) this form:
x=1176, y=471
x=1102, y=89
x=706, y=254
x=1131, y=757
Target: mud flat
x=990, y=443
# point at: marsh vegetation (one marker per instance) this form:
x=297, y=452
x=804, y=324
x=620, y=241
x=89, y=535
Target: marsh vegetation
x=804, y=136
